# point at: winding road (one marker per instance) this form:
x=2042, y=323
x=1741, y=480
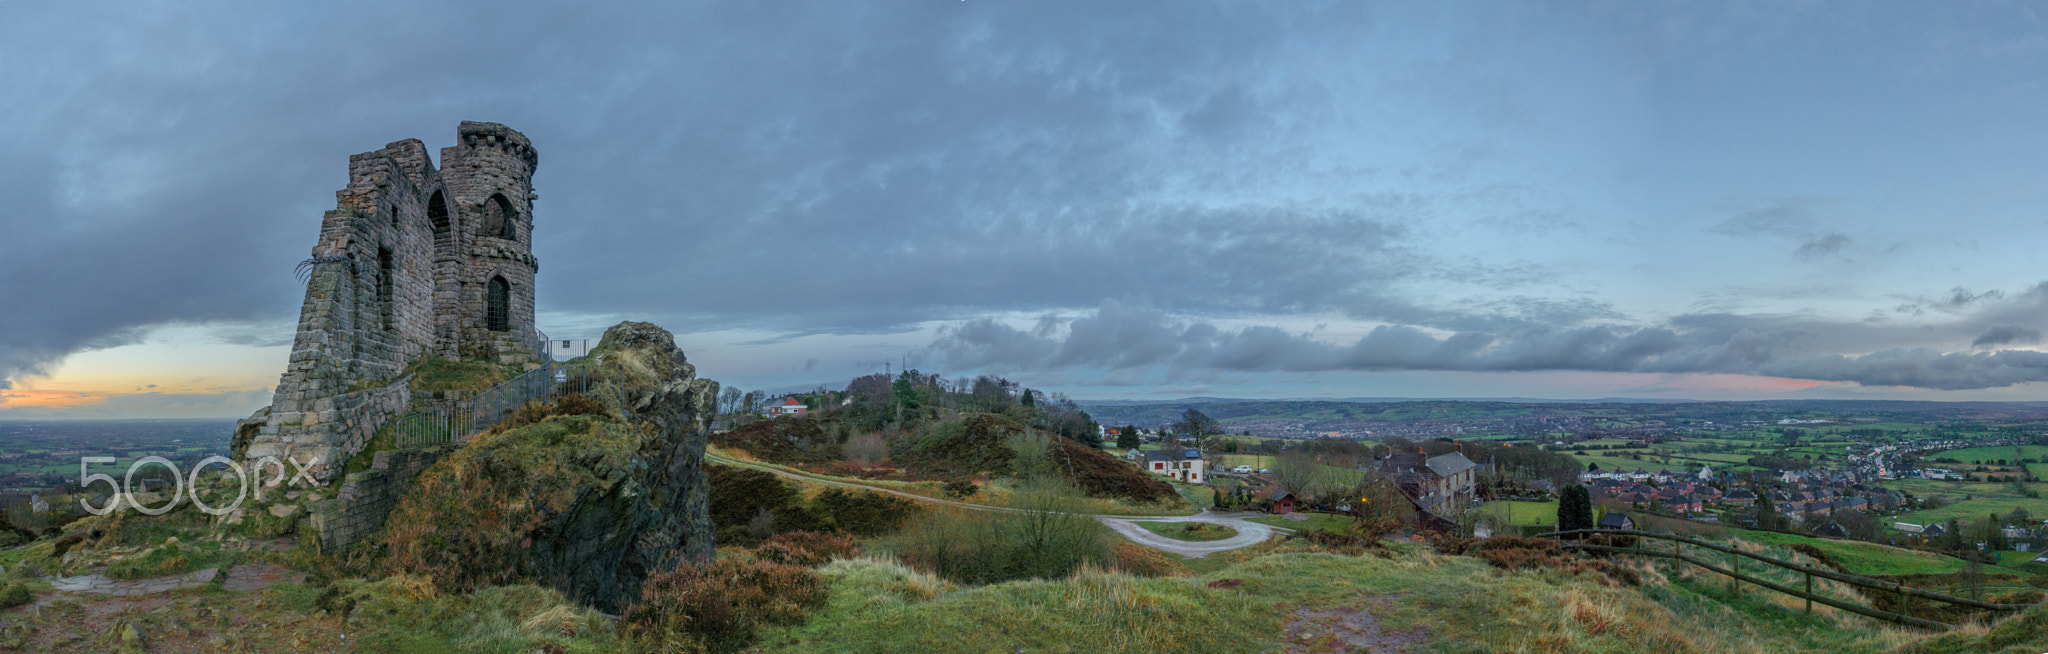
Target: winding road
x=1248, y=533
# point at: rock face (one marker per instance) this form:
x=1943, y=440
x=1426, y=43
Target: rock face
x=667, y=520
x=590, y=500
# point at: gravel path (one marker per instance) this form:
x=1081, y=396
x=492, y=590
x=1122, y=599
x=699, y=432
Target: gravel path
x=1248, y=533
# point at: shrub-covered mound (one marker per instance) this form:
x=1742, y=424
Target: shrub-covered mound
x=749, y=505
x=587, y=503
x=980, y=445
x=786, y=441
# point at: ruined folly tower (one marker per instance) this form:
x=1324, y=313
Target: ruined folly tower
x=413, y=261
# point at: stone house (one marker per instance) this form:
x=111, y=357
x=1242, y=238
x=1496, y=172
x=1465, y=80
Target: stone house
x=1436, y=484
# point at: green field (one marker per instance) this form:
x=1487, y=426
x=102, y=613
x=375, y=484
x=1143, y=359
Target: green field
x=1330, y=474
x=1863, y=558
x=1975, y=509
x=1984, y=499
x=1322, y=521
x=1529, y=513
x=1989, y=455
x=2039, y=470
x=2022, y=561
x=1194, y=531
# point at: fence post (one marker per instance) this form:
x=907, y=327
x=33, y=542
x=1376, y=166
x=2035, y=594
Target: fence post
x=1809, y=593
x=1905, y=601
x=1735, y=566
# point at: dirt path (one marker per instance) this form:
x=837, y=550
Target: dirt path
x=1248, y=533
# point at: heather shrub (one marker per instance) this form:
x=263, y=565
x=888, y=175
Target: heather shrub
x=1513, y=553
x=807, y=548
x=15, y=594
x=864, y=513
x=717, y=607
x=748, y=505
x=961, y=489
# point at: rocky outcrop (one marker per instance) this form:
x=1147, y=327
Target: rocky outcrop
x=666, y=515
x=589, y=499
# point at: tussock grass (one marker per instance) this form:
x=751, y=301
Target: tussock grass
x=407, y=613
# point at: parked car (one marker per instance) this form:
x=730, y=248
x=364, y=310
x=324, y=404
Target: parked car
x=1265, y=471
x=1241, y=469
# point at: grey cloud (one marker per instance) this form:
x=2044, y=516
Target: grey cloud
x=1121, y=338
x=1795, y=219
x=2007, y=335
x=932, y=160
x=1822, y=246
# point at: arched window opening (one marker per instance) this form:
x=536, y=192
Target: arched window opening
x=437, y=213
x=384, y=284
x=500, y=219
x=498, y=305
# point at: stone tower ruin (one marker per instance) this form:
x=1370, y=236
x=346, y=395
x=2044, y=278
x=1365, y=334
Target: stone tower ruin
x=412, y=261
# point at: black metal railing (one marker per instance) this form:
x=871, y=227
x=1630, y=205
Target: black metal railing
x=458, y=420
x=1734, y=573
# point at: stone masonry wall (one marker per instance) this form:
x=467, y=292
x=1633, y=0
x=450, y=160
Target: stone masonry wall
x=326, y=433
x=367, y=497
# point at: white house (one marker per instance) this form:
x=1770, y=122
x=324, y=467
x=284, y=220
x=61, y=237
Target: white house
x=1184, y=464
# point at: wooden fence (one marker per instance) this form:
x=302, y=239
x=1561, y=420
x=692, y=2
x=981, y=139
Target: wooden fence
x=1734, y=573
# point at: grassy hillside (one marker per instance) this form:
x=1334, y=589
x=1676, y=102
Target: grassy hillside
x=1302, y=597
x=970, y=446
x=1864, y=558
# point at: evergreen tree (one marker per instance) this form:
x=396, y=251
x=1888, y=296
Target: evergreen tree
x=1028, y=399
x=1127, y=439
x=1767, y=515
x=1574, y=509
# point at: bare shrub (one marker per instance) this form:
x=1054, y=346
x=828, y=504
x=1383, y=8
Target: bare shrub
x=869, y=449
x=717, y=606
x=807, y=548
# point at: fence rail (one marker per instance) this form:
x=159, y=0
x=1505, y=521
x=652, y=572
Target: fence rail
x=460, y=419
x=1734, y=572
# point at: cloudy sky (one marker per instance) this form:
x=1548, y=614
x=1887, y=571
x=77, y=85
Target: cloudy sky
x=1114, y=200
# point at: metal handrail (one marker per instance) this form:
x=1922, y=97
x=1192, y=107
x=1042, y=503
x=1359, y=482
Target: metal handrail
x=460, y=419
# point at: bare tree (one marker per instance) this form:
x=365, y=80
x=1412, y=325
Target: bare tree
x=868, y=448
x=729, y=400
x=1195, y=424
x=1297, y=473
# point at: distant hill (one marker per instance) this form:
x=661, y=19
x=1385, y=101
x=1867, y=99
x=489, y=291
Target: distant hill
x=1416, y=417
